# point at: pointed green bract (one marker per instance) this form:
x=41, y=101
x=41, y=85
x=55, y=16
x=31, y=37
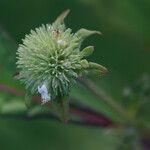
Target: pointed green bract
x=60, y=19
x=84, y=33
x=87, y=51
x=98, y=67
x=84, y=63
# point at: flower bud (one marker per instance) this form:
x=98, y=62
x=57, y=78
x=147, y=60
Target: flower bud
x=50, y=59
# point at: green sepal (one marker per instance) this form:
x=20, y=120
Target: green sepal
x=86, y=51
x=61, y=106
x=60, y=19
x=98, y=67
x=84, y=33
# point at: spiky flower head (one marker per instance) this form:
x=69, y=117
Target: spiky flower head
x=50, y=59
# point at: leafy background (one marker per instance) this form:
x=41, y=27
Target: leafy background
x=123, y=48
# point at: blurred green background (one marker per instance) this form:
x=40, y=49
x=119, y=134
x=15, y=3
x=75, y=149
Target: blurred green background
x=124, y=48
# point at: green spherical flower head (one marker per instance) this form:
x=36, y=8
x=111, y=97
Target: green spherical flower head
x=50, y=59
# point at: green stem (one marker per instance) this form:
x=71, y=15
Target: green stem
x=105, y=98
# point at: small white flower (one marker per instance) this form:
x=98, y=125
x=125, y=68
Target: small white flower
x=44, y=94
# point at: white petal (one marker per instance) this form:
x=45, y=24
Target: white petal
x=44, y=94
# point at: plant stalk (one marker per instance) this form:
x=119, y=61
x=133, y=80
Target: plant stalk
x=98, y=92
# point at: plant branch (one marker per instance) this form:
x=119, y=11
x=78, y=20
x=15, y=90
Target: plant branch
x=104, y=97
x=88, y=116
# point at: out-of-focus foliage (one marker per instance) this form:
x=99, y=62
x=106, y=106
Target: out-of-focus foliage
x=137, y=98
x=124, y=49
